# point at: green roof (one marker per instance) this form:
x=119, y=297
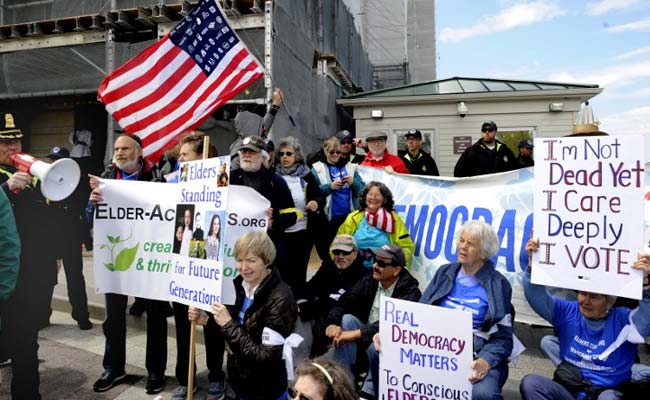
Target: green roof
x=458, y=85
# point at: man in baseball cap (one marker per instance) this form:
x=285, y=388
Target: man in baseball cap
x=418, y=161
x=486, y=156
x=525, y=158
x=355, y=319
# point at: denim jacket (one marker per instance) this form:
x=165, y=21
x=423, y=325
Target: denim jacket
x=493, y=342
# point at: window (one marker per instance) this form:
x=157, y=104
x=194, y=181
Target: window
x=398, y=140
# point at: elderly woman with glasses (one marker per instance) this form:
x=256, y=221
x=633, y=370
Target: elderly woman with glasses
x=597, y=342
x=340, y=184
x=264, y=311
x=375, y=223
x=474, y=285
x=308, y=200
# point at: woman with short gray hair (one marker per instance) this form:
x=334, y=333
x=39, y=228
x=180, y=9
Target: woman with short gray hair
x=473, y=284
x=308, y=200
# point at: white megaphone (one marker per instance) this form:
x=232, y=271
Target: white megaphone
x=58, y=180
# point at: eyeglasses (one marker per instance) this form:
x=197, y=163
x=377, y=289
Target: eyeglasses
x=341, y=252
x=285, y=153
x=293, y=394
x=347, y=141
x=383, y=264
x=487, y=130
x=333, y=152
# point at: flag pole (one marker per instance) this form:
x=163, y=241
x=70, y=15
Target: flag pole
x=190, y=370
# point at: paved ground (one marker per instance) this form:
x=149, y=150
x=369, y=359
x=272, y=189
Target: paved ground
x=71, y=359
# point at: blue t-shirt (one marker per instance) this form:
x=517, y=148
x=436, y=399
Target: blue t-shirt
x=369, y=237
x=581, y=345
x=340, y=198
x=467, y=294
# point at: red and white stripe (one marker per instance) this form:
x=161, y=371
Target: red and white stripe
x=162, y=93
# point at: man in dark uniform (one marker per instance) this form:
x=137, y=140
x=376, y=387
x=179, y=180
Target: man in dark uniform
x=28, y=309
x=486, y=156
x=129, y=165
x=417, y=161
x=71, y=218
x=525, y=158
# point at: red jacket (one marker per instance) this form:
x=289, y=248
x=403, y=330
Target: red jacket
x=389, y=160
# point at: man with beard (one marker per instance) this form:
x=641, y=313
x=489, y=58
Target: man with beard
x=129, y=165
x=254, y=173
x=486, y=156
x=28, y=308
x=379, y=157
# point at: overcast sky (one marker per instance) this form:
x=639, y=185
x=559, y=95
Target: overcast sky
x=604, y=42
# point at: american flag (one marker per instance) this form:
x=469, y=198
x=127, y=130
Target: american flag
x=176, y=83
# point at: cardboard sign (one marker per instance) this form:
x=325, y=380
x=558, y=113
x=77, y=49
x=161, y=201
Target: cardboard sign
x=422, y=358
x=588, y=207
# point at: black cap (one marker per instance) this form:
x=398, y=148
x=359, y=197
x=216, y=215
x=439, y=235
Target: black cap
x=414, y=133
x=395, y=253
x=57, y=153
x=526, y=143
x=491, y=124
x=254, y=143
x=344, y=134
x=8, y=130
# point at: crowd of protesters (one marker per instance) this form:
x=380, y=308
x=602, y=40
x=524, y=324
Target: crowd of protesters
x=319, y=200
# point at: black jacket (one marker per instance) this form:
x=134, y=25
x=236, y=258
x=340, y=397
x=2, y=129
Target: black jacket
x=358, y=301
x=422, y=164
x=480, y=160
x=275, y=189
x=328, y=285
x=257, y=371
x=38, y=230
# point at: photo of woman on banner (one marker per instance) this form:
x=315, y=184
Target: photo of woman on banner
x=178, y=238
x=213, y=238
x=185, y=218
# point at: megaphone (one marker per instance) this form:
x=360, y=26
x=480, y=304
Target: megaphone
x=58, y=180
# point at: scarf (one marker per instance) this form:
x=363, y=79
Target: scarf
x=295, y=170
x=381, y=219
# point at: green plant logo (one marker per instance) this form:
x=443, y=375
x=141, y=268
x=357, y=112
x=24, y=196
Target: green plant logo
x=124, y=258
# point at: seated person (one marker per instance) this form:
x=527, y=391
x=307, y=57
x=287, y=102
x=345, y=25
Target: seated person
x=472, y=284
x=331, y=281
x=598, y=342
x=355, y=318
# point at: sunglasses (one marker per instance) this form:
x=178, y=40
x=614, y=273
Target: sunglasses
x=341, y=252
x=285, y=153
x=487, y=130
x=347, y=141
x=383, y=264
x=331, y=153
x=293, y=394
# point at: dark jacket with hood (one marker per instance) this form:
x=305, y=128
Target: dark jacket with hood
x=255, y=370
x=358, y=301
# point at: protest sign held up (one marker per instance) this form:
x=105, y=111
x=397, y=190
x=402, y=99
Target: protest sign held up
x=421, y=358
x=199, y=233
x=588, y=207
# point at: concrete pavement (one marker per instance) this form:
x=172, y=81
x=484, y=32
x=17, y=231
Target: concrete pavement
x=71, y=359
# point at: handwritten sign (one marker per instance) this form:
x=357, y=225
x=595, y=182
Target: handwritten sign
x=420, y=357
x=588, y=207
